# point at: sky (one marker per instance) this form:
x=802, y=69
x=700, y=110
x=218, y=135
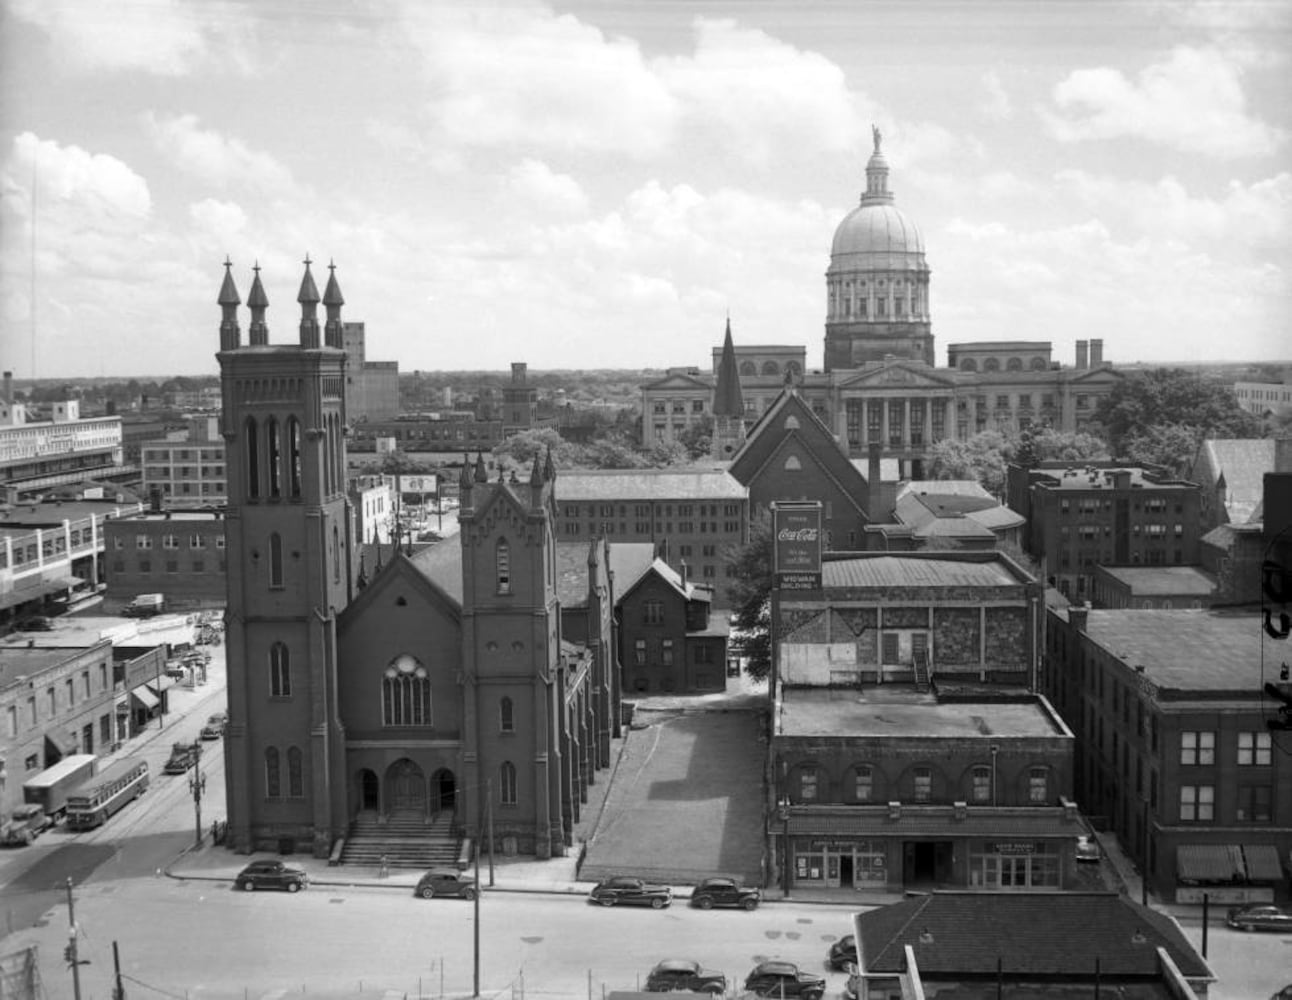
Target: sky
x=600, y=184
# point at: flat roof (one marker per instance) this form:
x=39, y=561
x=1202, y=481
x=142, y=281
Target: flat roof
x=1152, y=581
x=209, y=514
x=915, y=570
x=902, y=712
x=44, y=515
x=1190, y=650
x=649, y=484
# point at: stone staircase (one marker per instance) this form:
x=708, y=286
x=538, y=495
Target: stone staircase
x=922, y=669
x=407, y=839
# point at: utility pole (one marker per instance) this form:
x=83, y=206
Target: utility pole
x=489, y=827
x=476, y=930
x=118, y=991
x=197, y=785
x=69, y=953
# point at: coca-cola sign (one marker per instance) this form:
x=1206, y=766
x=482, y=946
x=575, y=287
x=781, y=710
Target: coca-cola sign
x=797, y=529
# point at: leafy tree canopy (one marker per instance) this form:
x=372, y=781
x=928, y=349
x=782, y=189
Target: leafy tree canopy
x=983, y=457
x=1158, y=397
x=751, y=590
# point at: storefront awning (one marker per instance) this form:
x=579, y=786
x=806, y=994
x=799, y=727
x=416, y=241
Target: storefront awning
x=161, y=684
x=57, y=747
x=1209, y=862
x=145, y=697
x=1262, y=862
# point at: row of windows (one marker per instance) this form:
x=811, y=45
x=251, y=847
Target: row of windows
x=1198, y=804
x=72, y=691
x=170, y=566
x=863, y=784
x=1198, y=748
x=295, y=787
x=170, y=541
x=644, y=510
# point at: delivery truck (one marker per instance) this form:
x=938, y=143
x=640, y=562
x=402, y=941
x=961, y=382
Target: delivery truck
x=49, y=788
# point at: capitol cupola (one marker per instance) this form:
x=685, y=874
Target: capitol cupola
x=877, y=285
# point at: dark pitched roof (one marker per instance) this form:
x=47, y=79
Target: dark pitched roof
x=727, y=401
x=1033, y=933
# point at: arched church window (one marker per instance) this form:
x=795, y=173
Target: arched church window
x=502, y=566
x=507, y=784
x=791, y=423
x=293, y=458
x=280, y=671
x=991, y=365
x=273, y=450
x=273, y=776
x=336, y=554
x=251, y=447
x=405, y=693
x=506, y=716
x=295, y=773
x=1014, y=365
x=276, y=560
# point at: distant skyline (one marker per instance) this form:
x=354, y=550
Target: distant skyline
x=598, y=184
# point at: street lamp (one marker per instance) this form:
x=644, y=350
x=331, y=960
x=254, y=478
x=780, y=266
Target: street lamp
x=197, y=785
x=783, y=811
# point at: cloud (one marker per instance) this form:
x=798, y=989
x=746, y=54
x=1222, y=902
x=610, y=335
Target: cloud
x=1194, y=101
x=223, y=220
x=995, y=103
x=163, y=37
x=213, y=158
x=76, y=188
x=540, y=189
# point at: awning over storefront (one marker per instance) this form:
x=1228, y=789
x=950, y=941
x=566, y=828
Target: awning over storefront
x=33, y=592
x=144, y=697
x=57, y=747
x=1262, y=862
x=161, y=684
x=1209, y=862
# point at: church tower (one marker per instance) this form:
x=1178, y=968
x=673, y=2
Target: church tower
x=511, y=651
x=728, y=404
x=288, y=567
x=877, y=285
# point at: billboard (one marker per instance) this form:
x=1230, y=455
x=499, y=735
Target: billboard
x=796, y=545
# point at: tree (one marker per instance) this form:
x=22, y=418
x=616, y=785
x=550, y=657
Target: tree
x=1172, y=446
x=750, y=567
x=1068, y=446
x=395, y=463
x=982, y=457
x=520, y=449
x=1172, y=396
x=697, y=437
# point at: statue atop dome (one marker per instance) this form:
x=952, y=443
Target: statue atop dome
x=878, y=136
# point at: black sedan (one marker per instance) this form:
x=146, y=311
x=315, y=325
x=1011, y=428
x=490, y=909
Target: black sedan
x=683, y=974
x=272, y=875
x=631, y=891
x=842, y=953
x=1260, y=917
x=784, y=979
x=446, y=882
x=724, y=892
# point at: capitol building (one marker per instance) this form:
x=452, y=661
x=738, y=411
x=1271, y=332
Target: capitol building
x=880, y=383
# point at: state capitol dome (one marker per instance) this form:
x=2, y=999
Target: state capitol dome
x=877, y=225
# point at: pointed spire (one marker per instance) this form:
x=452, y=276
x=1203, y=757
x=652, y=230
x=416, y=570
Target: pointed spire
x=536, y=473
x=465, y=478
x=332, y=302
x=308, y=297
x=549, y=467
x=727, y=400
x=259, y=302
x=481, y=473
x=230, y=334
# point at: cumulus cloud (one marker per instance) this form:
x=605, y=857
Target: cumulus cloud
x=215, y=158
x=221, y=219
x=995, y=103
x=1194, y=101
x=88, y=190
x=164, y=37
x=538, y=188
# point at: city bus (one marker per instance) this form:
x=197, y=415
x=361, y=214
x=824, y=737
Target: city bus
x=50, y=788
x=117, y=785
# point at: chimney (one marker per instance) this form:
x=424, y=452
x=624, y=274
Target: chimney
x=683, y=572
x=873, y=477
x=8, y=388
x=1083, y=354
x=1077, y=617
x=1096, y=353
x=518, y=372
x=155, y=500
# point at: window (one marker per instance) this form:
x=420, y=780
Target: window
x=1254, y=803
x=639, y=652
x=863, y=783
x=274, y=451
x=653, y=613
x=506, y=717
x=666, y=652
x=143, y=542
x=276, y=561
x=808, y=784
x=1197, y=748
x=170, y=542
x=507, y=783
x=293, y=458
x=502, y=563
x=280, y=671
x=923, y=785
x=1038, y=786
x=1197, y=803
x=295, y=774
x=405, y=694
x=273, y=780
x=252, y=441
x=981, y=785
x=1253, y=748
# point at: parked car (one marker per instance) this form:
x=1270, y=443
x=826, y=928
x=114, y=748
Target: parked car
x=215, y=726
x=272, y=874
x=446, y=882
x=631, y=891
x=1087, y=849
x=182, y=757
x=25, y=824
x=725, y=892
x=784, y=979
x=683, y=974
x=1260, y=917
x=842, y=953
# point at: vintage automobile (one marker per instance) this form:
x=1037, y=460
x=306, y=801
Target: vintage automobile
x=784, y=979
x=1260, y=917
x=182, y=757
x=25, y=824
x=446, y=882
x=1087, y=849
x=724, y=892
x=272, y=874
x=631, y=892
x=675, y=974
x=842, y=953
x=215, y=726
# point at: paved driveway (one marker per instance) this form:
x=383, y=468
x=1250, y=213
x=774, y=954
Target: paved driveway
x=686, y=799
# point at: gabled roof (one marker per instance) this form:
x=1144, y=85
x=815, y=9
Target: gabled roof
x=954, y=515
x=1032, y=933
x=681, y=380
x=628, y=562
x=899, y=372
x=1241, y=463
x=694, y=483
x=407, y=571
x=688, y=591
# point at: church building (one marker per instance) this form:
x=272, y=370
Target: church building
x=419, y=701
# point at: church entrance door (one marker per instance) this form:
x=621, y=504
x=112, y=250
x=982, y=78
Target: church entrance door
x=444, y=790
x=406, y=786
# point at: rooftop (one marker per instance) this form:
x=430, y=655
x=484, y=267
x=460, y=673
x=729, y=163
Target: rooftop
x=648, y=484
x=1163, y=581
x=1088, y=477
x=916, y=569
x=27, y=516
x=890, y=711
